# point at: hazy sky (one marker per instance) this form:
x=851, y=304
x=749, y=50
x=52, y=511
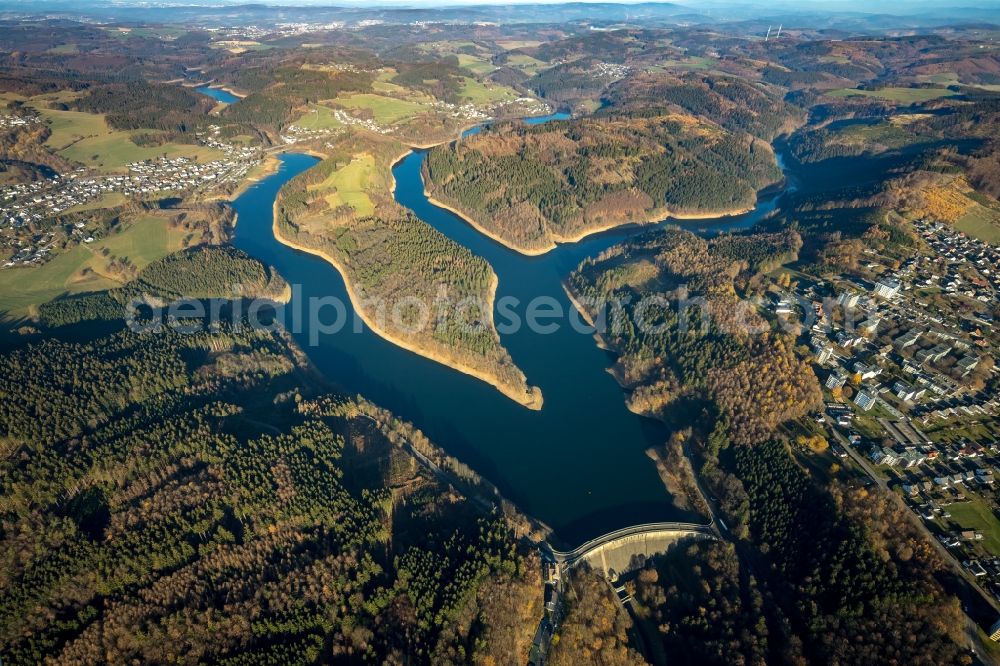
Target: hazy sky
x=874, y=6
x=892, y=7
x=867, y=5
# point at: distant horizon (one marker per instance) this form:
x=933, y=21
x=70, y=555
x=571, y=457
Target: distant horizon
x=864, y=6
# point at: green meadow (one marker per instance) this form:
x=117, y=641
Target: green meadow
x=81, y=268
x=480, y=93
x=349, y=184
x=982, y=223
x=385, y=110
x=318, y=117
x=902, y=95
x=86, y=138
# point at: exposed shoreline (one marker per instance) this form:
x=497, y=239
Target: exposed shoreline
x=602, y=343
x=532, y=398
x=557, y=240
x=529, y=252
x=231, y=91
x=657, y=217
x=228, y=89
x=286, y=292
x=268, y=167
x=587, y=317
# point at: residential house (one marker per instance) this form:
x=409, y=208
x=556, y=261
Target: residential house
x=867, y=371
x=836, y=380
x=848, y=299
x=864, y=400
x=935, y=353
x=887, y=288
x=907, y=339
x=968, y=363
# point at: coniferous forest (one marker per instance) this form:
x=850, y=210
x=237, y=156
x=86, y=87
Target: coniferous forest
x=187, y=498
x=748, y=251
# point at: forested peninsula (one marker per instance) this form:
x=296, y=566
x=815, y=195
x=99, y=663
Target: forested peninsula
x=531, y=187
x=698, y=339
x=394, y=265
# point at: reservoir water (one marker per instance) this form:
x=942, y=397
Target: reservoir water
x=218, y=94
x=578, y=464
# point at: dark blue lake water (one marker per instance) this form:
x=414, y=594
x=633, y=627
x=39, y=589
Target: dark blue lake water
x=579, y=464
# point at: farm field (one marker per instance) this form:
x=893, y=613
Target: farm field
x=384, y=84
x=941, y=78
x=86, y=138
x=480, y=93
x=982, y=223
x=64, y=49
x=510, y=44
x=526, y=63
x=114, y=150
x=694, y=62
x=70, y=126
x=475, y=64
x=350, y=184
x=952, y=79
x=385, y=110
x=903, y=95
x=149, y=238
x=318, y=117
x=109, y=200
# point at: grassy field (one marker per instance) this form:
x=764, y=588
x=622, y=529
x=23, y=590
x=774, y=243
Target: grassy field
x=21, y=288
x=480, y=93
x=70, y=126
x=318, y=118
x=109, y=200
x=526, y=63
x=240, y=46
x=86, y=138
x=349, y=185
x=976, y=515
x=587, y=106
x=694, y=62
x=475, y=64
x=982, y=223
x=980, y=432
x=390, y=89
x=60, y=96
x=386, y=110
x=114, y=150
x=884, y=135
x=445, y=46
x=992, y=647
x=951, y=79
x=64, y=49
x=903, y=95
x=148, y=239
x=164, y=32
x=510, y=44
x=941, y=78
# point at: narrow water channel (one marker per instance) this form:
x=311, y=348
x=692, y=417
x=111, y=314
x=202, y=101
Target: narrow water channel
x=579, y=464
